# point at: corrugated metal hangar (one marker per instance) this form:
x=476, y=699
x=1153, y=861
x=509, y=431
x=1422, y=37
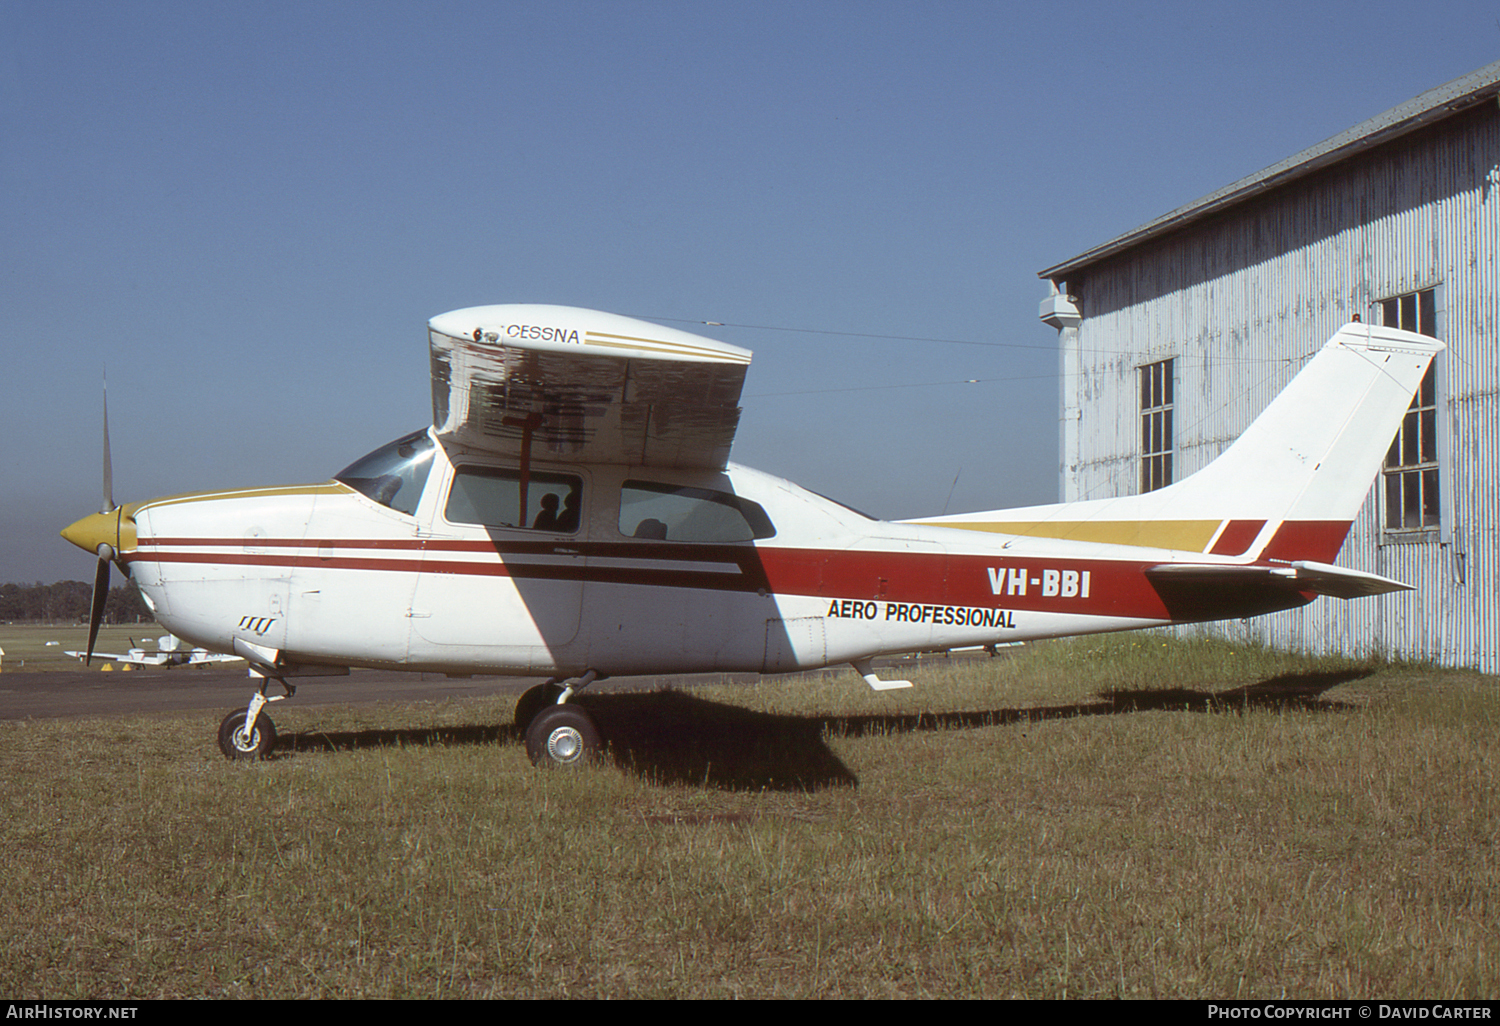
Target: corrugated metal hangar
x=1174, y=336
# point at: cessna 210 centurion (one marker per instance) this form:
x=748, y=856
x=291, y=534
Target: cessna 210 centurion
x=571, y=513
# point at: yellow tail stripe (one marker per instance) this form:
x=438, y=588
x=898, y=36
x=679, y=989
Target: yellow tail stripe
x=1184, y=535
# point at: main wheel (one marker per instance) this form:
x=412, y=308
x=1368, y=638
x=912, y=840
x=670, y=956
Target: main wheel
x=563, y=735
x=235, y=745
x=533, y=701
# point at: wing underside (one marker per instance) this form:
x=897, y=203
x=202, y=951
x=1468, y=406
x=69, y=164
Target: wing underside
x=584, y=387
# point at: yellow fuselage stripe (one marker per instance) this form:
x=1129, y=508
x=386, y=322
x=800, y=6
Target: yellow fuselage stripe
x=1183, y=535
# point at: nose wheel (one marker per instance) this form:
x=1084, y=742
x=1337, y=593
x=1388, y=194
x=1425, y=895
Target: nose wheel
x=249, y=733
x=238, y=743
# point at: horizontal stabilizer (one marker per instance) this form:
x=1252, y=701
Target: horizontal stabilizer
x=1340, y=582
x=1302, y=576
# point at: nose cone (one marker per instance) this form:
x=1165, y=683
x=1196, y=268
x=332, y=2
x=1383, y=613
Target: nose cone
x=94, y=530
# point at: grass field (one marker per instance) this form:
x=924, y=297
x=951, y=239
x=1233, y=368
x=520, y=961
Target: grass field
x=31, y=648
x=1117, y=817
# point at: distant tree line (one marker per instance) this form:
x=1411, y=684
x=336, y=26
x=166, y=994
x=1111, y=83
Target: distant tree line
x=68, y=602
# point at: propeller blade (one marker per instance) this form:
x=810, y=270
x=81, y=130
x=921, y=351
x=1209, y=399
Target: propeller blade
x=109, y=474
x=96, y=607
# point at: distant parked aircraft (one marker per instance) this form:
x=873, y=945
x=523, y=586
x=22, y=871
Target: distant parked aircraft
x=169, y=652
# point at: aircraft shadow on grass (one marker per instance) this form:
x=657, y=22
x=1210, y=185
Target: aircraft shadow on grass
x=677, y=737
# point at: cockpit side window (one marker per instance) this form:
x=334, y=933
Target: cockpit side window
x=493, y=497
x=395, y=474
x=666, y=512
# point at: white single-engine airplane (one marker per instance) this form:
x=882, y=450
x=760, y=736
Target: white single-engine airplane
x=169, y=652
x=572, y=513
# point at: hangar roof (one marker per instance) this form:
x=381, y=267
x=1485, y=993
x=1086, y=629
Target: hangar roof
x=1429, y=107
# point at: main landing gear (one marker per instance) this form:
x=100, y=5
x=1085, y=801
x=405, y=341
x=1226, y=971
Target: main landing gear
x=249, y=733
x=558, y=734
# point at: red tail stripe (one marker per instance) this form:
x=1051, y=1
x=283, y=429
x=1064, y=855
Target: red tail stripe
x=1318, y=540
x=1237, y=537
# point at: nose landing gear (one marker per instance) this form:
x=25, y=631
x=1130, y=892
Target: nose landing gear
x=248, y=733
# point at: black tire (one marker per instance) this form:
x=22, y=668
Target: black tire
x=533, y=701
x=563, y=736
x=262, y=738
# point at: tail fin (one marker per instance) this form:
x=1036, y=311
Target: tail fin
x=1288, y=488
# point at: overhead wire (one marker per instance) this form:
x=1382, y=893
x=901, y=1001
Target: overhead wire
x=1047, y=347
x=904, y=384
x=1110, y=477
x=1279, y=361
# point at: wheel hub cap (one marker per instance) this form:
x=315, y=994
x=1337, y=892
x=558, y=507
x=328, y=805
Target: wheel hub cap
x=564, y=744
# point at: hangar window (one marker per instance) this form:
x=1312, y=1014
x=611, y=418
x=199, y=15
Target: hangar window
x=1156, y=425
x=1411, y=466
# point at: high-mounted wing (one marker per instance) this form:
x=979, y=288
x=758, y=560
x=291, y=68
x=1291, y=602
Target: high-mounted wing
x=584, y=386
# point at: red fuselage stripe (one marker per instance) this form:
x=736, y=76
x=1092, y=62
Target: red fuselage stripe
x=1111, y=588
x=1083, y=587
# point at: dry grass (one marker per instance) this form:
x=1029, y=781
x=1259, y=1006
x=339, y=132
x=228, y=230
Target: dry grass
x=1124, y=816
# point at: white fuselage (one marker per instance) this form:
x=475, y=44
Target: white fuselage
x=538, y=528
x=327, y=575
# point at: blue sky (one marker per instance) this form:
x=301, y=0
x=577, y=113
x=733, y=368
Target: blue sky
x=246, y=212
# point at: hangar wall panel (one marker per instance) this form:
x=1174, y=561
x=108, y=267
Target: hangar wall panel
x=1242, y=301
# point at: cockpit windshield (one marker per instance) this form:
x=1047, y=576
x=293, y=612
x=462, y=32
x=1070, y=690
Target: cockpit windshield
x=394, y=474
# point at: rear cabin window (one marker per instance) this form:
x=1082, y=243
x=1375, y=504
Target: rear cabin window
x=492, y=497
x=665, y=512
